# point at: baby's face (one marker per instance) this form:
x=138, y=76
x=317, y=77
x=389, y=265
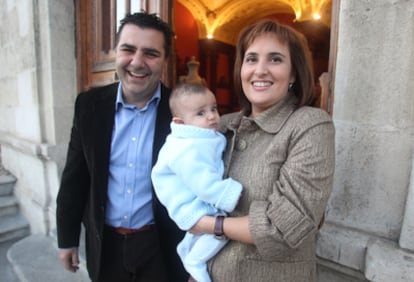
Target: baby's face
x=200, y=110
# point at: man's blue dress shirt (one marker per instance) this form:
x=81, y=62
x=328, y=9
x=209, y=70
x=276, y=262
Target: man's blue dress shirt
x=129, y=202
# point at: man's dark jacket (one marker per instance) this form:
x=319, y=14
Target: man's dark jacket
x=83, y=190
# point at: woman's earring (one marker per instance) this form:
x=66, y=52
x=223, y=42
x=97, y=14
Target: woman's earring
x=290, y=86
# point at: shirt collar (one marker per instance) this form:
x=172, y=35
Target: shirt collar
x=120, y=100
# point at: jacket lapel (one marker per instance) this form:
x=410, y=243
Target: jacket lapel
x=162, y=126
x=103, y=122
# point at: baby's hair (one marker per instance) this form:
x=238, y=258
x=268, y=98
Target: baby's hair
x=184, y=89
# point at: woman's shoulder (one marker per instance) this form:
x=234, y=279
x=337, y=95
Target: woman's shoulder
x=305, y=118
x=311, y=115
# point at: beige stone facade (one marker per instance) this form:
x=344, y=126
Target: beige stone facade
x=369, y=229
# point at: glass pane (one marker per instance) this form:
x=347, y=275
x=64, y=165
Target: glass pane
x=106, y=26
x=120, y=11
x=135, y=6
x=124, y=7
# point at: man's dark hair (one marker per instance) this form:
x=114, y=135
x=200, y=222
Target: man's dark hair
x=152, y=21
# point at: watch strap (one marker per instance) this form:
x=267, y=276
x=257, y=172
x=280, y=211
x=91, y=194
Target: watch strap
x=218, y=227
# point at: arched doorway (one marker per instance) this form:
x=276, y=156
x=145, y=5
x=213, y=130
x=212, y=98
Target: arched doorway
x=96, y=24
x=219, y=23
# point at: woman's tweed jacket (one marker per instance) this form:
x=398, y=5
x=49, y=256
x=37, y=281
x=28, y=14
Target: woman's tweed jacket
x=284, y=159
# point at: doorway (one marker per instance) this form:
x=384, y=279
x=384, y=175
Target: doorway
x=96, y=25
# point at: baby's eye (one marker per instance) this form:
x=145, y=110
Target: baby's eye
x=201, y=113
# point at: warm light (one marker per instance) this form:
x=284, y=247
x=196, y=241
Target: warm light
x=316, y=16
x=209, y=36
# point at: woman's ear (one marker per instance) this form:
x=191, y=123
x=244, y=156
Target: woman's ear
x=292, y=77
x=177, y=120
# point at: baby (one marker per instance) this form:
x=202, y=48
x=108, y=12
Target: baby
x=188, y=176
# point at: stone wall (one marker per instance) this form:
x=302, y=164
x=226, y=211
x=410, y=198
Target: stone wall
x=374, y=118
x=369, y=229
x=38, y=87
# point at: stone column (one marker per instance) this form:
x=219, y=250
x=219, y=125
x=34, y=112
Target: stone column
x=369, y=215
x=39, y=87
x=407, y=230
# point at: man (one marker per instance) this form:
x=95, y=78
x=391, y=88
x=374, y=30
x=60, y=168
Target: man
x=106, y=183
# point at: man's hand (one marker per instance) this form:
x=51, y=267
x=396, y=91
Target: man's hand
x=70, y=259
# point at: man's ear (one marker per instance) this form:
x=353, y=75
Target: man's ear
x=177, y=120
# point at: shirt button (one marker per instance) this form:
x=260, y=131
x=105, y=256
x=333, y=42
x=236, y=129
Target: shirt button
x=129, y=191
x=130, y=165
x=125, y=217
x=134, y=139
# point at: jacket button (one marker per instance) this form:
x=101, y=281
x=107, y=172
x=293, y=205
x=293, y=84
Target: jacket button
x=241, y=145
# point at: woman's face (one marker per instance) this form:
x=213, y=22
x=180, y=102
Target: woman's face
x=266, y=72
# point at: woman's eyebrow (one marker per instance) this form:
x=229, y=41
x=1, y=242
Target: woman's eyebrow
x=277, y=54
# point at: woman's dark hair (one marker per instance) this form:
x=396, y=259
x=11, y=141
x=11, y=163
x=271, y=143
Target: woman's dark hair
x=300, y=56
x=152, y=21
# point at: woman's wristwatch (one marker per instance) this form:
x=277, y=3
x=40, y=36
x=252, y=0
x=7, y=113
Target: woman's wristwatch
x=218, y=228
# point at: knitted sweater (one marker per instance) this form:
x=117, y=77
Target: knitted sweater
x=188, y=176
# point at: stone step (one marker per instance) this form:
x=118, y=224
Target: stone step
x=35, y=259
x=6, y=270
x=7, y=182
x=13, y=226
x=8, y=205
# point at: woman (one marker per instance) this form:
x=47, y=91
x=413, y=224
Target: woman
x=282, y=151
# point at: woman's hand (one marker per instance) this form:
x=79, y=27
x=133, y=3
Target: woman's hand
x=204, y=226
x=235, y=228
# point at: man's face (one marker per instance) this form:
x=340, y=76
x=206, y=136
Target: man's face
x=140, y=59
